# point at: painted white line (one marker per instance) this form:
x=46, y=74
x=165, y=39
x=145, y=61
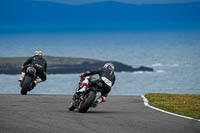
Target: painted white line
x=146, y=103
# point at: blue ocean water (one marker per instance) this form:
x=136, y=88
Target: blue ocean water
x=173, y=54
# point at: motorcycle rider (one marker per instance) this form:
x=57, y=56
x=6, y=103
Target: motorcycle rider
x=106, y=81
x=39, y=63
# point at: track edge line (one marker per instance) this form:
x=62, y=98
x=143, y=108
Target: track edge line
x=146, y=103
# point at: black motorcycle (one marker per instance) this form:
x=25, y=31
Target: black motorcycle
x=27, y=83
x=84, y=100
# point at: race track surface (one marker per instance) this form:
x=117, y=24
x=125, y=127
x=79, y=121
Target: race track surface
x=120, y=114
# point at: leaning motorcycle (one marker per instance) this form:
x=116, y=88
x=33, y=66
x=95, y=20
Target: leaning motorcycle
x=83, y=101
x=27, y=83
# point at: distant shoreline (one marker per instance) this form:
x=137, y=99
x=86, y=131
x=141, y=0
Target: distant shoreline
x=65, y=65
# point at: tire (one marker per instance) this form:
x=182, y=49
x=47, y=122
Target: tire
x=26, y=85
x=87, y=101
x=71, y=107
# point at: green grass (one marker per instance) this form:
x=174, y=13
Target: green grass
x=182, y=104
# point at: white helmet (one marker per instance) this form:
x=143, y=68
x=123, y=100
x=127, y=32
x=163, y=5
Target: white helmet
x=109, y=66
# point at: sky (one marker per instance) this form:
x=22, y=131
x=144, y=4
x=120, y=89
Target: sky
x=79, y=2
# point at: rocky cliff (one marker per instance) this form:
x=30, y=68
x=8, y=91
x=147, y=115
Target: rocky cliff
x=63, y=65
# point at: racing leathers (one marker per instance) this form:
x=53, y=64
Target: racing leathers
x=40, y=64
x=106, y=81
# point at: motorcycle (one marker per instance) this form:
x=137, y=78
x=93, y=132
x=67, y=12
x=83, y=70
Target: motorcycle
x=27, y=83
x=84, y=100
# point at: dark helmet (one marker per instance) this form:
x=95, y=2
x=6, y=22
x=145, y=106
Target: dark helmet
x=109, y=66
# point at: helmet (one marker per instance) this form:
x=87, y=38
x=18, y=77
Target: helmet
x=38, y=53
x=109, y=66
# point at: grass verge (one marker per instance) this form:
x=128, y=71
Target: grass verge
x=182, y=104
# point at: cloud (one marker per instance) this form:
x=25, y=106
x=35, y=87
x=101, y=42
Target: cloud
x=79, y=2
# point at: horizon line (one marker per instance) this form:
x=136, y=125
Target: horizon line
x=85, y=2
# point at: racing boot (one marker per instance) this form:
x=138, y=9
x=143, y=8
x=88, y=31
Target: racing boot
x=98, y=101
x=21, y=77
x=35, y=82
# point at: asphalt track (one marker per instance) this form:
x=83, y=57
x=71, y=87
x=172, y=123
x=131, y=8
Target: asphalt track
x=120, y=114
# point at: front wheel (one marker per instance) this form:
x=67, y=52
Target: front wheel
x=71, y=106
x=26, y=85
x=87, y=101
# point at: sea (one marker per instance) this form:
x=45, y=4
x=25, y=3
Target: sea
x=174, y=55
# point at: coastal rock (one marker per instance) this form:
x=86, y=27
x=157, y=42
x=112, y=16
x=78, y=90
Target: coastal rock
x=64, y=65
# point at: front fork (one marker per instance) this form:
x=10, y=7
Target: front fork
x=76, y=99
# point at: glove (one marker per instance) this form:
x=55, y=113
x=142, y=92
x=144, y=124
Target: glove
x=82, y=76
x=22, y=67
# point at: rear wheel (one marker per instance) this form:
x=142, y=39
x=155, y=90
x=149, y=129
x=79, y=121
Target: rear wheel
x=26, y=85
x=87, y=101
